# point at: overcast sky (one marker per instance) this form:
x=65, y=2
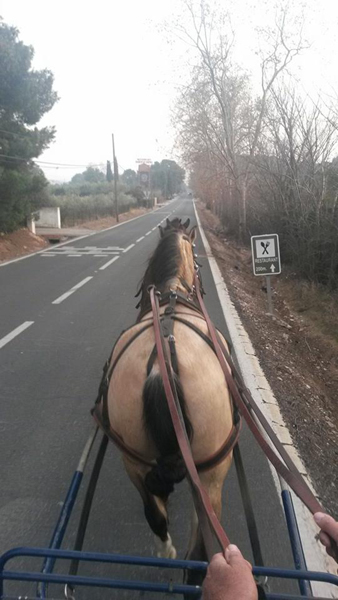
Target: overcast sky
x=116, y=72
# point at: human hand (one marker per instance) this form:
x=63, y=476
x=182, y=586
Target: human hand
x=229, y=578
x=328, y=533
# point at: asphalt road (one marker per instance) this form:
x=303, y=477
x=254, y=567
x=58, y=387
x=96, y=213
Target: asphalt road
x=50, y=371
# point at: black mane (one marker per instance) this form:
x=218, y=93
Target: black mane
x=163, y=266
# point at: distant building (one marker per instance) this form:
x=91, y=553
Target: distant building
x=144, y=174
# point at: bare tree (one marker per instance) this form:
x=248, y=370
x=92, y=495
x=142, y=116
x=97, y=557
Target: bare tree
x=240, y=118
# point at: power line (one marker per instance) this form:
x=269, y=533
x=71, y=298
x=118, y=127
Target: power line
x=47, y=163
x=13, y=157
x=42, y=162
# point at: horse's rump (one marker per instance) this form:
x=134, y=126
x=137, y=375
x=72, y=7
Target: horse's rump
x=137, y=405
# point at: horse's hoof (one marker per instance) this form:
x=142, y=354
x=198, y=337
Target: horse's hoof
x=165, y=549
x=173, y=553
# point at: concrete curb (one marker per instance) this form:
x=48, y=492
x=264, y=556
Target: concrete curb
x=255, y=380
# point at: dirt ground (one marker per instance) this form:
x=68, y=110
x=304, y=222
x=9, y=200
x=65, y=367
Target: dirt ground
x=98, y=224
x=297, y=350
x=19, y=243
x=22, y=242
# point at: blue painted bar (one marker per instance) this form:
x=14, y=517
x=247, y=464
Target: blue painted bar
x=77, y=580
x=141, y=561
x=288, y=597
x=300, y=574
x=61, y=526
x=127, y=559
x=296, y=542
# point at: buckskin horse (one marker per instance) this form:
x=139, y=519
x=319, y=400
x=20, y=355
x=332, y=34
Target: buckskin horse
x=132, y=405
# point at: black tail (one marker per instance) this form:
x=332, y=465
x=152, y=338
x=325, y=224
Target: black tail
x=170, y=468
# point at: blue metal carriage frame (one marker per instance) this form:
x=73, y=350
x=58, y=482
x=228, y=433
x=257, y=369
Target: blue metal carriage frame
x=53, y=553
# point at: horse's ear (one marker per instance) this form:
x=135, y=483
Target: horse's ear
x=168, y=224
x=186, y=224
x=193, y=233
x=161, y=231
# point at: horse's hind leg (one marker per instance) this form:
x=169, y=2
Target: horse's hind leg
x=154, y=509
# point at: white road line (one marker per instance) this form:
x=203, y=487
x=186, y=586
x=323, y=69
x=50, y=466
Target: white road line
x=153, y=229
x=74, y=255
x=48, y=255
x=139, y=239
x=149, y=232
x=10, y=336
x=72, y=290
x=99, y=255
x=110, y=262
x=128, y=248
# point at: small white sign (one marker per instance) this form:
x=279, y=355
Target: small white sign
x=265, y=254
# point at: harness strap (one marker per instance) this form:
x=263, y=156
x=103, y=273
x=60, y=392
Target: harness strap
x=97, y=413
x=180, y=298
x=238, y=391
x=197, y=330
x=202, y=465
x=224, y=451
x=100, y=410
x=207, y=516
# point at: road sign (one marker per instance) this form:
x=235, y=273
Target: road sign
x=265, y=254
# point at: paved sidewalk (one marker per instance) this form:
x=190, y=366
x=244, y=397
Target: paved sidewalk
x=53, y=232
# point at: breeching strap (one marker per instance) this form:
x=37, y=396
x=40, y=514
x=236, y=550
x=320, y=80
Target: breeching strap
x=208, y=520
x=244, y=401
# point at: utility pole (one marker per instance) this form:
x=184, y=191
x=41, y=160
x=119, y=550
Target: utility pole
x=116, y=174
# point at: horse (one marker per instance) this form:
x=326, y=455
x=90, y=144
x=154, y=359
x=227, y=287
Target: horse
x=137, y=413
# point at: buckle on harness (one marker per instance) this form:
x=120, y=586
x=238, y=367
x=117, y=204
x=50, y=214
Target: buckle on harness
x=153, y=287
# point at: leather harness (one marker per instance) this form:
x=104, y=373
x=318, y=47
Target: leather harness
x=171, y=302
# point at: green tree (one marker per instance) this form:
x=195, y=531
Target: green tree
x=25, y=96
x=167, y=176
x=93, y=175
x=109, y=172
x=90, y=175
x=129, y=178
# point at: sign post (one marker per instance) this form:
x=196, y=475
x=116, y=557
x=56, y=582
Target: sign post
x=266, y=259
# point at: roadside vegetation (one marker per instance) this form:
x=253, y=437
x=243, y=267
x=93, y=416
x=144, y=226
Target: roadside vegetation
x=25, y=96
x=90, y=195
x=262, y=153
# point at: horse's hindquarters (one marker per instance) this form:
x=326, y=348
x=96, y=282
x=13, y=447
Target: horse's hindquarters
x=204, y=388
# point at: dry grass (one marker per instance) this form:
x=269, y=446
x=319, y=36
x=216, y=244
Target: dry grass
x=317, y=306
